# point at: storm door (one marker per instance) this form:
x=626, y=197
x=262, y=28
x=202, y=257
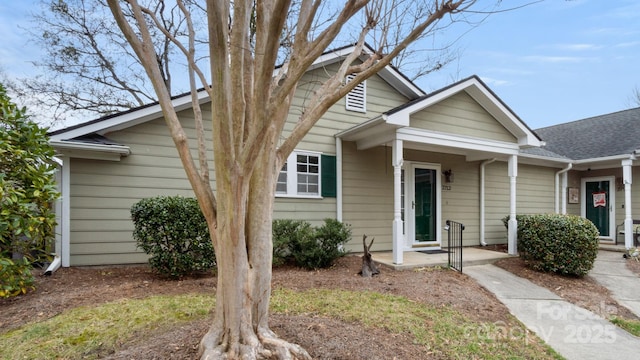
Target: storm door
x=599, y=204
x=423, y=207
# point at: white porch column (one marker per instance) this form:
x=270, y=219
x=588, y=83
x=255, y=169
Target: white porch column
x=398, y=238
x=513, y=223
x=628, y=216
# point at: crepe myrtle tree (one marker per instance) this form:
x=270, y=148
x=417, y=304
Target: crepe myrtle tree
x=257, y=54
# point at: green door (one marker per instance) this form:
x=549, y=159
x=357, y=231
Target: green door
x=598, y=204
x=425, y=204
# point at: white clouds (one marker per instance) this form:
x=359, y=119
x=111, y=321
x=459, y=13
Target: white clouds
x=556, y=59
x=578, y=47
x=491, y=82
x=627, y=44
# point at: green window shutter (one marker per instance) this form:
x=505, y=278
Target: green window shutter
x=328, y=174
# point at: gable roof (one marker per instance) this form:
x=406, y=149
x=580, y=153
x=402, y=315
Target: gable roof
x=596, y=137
x=180, y=102
x=483, y=95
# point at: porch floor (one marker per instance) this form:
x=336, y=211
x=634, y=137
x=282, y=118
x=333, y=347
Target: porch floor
x=412, y=260
x=612, y=247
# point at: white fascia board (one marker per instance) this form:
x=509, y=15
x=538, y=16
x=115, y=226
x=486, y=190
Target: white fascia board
x=388, y=73
x=332, y=57
x=485, y=98
x=607, y=162
x=70, y=149
x=501, y=113
x=400, y=83
x=129, y=119
x=602, y=159
x=457, y=141
x=351, y=133
x=403, y=116
x=543, y=160
x=71, y=145
x=375, y=140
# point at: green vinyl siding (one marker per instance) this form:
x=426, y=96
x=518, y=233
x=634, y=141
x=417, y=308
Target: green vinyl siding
x=461, y=115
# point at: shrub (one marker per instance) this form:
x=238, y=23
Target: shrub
x=173, y=231
x=27, y=185
x=15, y=277
x=285, y=233
x=564, y=244
x=311, y=248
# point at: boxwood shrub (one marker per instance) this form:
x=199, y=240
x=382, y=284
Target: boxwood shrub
x=564, y=244
x=173, y=231
x=309, y=247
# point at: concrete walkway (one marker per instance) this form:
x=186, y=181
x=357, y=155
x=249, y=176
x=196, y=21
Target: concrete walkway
x=574, y=332
x=610, y=271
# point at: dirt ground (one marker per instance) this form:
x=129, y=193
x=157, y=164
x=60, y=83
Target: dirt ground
x=324, y=338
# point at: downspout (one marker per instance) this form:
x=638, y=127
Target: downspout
x=57, y=261
x=482, y=201
x=55, y=265
x=560, y=197
x=339, y=179
x=65, y=218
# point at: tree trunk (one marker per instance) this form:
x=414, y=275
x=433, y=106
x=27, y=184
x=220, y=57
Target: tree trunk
x=240, y=328
x=369, y=267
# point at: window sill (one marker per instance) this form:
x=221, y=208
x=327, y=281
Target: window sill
x=288, y=196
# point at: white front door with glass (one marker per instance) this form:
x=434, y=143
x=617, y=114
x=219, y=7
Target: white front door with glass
x=421, y=202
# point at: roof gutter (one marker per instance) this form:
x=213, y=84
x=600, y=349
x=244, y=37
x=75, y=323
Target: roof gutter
x=121, y=150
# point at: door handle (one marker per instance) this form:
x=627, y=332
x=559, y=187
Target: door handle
x=413, y=204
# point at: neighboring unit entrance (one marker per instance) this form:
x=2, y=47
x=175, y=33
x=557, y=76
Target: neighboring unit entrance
x=598, y=206
x=423, y=206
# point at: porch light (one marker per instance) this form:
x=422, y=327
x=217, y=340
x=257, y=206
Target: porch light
x=448, y=176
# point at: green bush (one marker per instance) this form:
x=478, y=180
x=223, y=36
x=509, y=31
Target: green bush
x=286, y=232
x=15, y=277
x=308, y=247
x=173, y=231
x=564, y=244
x=27, y=185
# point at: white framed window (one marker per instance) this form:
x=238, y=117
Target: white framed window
x=300, y=175
x=356, y=99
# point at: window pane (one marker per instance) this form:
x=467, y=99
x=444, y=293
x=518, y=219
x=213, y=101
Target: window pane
x=307, y=174
x=281, y=186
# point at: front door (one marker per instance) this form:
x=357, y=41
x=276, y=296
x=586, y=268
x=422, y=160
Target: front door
x=599, y=204
x=424, y=206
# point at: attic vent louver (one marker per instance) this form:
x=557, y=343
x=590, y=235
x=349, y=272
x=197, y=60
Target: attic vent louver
x=356, y=99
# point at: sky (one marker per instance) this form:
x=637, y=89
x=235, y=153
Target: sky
x=551, y=62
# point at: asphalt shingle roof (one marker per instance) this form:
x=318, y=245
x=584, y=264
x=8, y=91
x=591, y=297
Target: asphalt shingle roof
x=595, y=137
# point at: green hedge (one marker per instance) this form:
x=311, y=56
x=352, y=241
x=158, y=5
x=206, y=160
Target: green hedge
x=173, y=231
x=309, y=247
x=564, y=244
